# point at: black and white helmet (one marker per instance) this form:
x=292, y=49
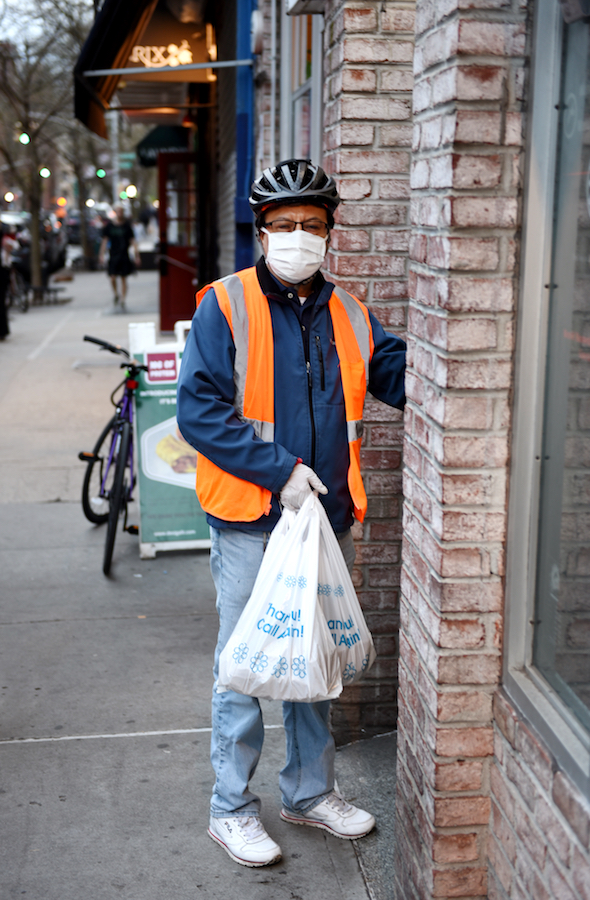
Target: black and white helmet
x=294, y=180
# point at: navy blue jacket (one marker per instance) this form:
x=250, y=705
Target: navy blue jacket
x=310, y=419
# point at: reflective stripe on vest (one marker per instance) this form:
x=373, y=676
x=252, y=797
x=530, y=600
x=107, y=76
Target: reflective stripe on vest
x=247, y=313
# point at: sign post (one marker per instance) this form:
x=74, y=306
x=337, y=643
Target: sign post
x=169, y=513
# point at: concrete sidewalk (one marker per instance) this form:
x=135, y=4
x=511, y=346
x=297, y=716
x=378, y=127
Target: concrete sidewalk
x=105, y=683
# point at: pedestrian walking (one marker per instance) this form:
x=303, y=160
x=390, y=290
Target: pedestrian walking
x=271, y=390
x=119, y=236
x=7, y=248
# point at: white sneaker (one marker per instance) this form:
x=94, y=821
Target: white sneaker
x=245, y=840
x=336, y=815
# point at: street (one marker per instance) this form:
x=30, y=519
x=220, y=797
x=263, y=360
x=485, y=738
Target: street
x=105, y=683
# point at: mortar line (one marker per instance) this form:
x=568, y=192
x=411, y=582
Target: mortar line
x=123, y=734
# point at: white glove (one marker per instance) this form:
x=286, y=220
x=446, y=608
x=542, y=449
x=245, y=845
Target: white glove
x=302, y=481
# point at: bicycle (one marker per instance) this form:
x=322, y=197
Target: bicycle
x=110, y=475
x=17, y=293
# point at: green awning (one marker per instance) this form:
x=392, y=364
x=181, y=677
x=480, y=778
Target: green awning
x=162, y=139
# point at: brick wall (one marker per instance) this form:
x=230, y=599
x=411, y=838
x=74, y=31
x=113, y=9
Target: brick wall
x=539, y=839
x=367, y=143
x=466, y=182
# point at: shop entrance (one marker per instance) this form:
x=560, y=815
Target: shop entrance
x=179, y=262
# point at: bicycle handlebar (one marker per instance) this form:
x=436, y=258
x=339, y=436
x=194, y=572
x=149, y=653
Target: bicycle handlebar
x=104, y=345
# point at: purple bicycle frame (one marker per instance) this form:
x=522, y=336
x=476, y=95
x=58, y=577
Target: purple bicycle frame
x=126, y=415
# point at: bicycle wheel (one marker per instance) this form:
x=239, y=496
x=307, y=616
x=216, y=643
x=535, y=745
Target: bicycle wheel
x=117, y=497
x=92, y=495
x=18, y=291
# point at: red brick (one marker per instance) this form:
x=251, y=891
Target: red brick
x=471, y=254
x=505, y=717
x=464, y=706
x=397, y=20
x=581, y=874
x=470, y=882
x=360, y=19
x=479, y=83
x=476, y=295
x=359, y=80
x=484, y=212
x=570, y=803
x=522, y=781
x=457, y=811
x=467, y=598
x=455, y=848
x=531, y=837
x=463, y=775
x=473, y=127
x=365, y=214
x=503, y=832
x=534, y=755
x=501, y=792
x=558, y=886
x=473, y=452
x=395, y=135
x=396, y=80
x=375, y=50
x=461, y=633
x=553, y=829
x=356, y=133
x=368, y=265
x=476, y=668
x=350, y=240
x=464, y=742
x=502, y=867
x=394, y=189
x=481, y=38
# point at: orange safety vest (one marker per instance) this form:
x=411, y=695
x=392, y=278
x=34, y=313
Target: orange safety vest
x=246, y=309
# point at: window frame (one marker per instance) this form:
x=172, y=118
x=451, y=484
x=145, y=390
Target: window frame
x=288, y=96
x=564, y=735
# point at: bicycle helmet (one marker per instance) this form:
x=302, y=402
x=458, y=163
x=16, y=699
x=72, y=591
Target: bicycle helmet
x=294, y=181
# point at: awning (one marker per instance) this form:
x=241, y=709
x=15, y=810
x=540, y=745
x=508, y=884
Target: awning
x=109, y=45
x=163, y=139
x=162, y=45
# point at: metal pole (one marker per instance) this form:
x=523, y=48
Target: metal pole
x=113, y=115
x=189, y=67
x=273, y=80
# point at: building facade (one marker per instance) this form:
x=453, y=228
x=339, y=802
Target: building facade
x=458, y=132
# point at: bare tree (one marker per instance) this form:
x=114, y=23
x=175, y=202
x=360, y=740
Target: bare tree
x=36, y=97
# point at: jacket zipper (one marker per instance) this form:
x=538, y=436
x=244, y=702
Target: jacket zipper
x=318, y=344
x=309, y=395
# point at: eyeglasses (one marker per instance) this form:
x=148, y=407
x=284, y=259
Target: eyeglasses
x=286, y=226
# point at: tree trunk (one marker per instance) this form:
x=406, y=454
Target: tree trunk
x=36, y=261
x=87, y=250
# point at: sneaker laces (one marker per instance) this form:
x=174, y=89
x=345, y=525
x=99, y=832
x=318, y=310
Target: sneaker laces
x=251, y=827
x=338, y=803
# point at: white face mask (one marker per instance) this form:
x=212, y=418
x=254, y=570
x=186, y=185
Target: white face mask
x=296, y=255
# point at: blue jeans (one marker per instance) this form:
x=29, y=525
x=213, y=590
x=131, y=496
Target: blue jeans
x=238, y=731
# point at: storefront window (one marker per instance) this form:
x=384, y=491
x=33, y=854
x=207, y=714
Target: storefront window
x=561, y=646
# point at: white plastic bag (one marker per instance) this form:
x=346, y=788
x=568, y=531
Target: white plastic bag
x=341, y=607
x=281, y=648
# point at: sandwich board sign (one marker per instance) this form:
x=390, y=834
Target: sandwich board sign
x=170, y=517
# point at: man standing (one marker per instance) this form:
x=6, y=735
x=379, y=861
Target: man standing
x=271, y=394
x=118, y=234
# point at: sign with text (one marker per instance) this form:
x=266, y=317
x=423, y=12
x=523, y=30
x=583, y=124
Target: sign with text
x=170, y=515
